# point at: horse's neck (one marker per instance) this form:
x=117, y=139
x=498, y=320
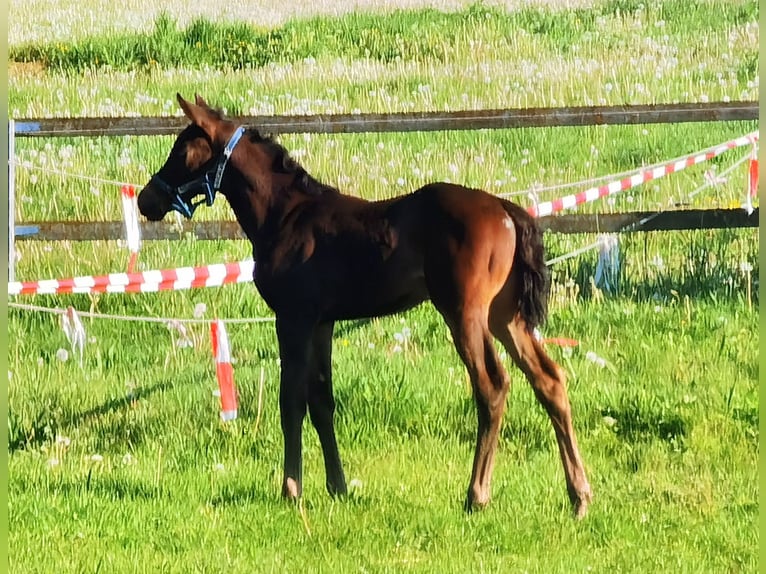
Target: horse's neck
x=245, y=204
x=260, y=213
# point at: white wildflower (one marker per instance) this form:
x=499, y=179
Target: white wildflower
x=199, y=310
x=594, y=358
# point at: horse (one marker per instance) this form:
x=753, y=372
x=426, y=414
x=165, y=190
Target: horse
x=322, y=256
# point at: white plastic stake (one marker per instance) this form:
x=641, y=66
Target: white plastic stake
x=11, y=200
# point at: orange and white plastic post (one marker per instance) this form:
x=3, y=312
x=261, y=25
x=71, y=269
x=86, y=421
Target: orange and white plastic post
x=752, y=180
x=224, y=370
x=132, y=230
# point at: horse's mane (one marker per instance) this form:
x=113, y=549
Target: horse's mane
x=284, y=163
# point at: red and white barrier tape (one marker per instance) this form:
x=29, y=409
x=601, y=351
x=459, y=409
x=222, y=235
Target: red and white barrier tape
x=144, y=282
x=594, y=193
x=223, y=273
x=224, y=370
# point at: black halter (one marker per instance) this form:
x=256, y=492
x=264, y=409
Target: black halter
x=206, y=184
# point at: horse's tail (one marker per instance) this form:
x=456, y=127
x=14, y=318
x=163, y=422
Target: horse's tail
x=530, y=259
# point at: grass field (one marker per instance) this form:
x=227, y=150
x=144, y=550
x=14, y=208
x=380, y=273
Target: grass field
x=119, y=462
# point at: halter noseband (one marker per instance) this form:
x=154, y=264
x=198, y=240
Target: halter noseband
x=181, y=196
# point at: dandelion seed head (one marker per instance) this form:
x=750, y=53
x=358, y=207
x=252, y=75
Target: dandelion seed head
x=199, y=310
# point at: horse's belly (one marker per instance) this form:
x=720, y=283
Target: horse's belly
x=356, y=301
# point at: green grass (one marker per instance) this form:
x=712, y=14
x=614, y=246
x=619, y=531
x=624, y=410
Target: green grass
x=400, y=36
x=401, y=62
x=674, y=475
x=669, y=429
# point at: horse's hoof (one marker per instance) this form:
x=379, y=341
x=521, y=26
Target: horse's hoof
x=337, y=490
x=475, y=502
x=581, y=503
x=290, y=489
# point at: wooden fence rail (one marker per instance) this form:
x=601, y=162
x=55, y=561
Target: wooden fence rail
x=398, y=122
x=687, y=219
x=406, y=122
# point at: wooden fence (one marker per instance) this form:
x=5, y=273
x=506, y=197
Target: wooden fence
x=406, y=122
x=685, y=219
x=399, y=122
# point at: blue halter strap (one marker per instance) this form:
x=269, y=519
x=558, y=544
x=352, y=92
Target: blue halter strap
x=207, y=184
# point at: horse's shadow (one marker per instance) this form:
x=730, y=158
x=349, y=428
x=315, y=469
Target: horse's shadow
x=25, y=437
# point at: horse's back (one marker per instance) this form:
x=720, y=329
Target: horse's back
x=457, y=213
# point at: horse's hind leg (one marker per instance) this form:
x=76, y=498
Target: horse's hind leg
x=322, y=407
x=549, y=384
x=490, y=382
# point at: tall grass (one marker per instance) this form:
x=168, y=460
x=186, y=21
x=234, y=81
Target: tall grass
x=396, y=37
x=478, y=58
x=130, y=468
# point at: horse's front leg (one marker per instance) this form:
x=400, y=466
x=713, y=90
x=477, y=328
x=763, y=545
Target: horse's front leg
x=322, y=407
x=295, y=357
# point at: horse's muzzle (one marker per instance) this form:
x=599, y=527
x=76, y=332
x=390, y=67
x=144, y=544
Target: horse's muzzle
x=153, y=203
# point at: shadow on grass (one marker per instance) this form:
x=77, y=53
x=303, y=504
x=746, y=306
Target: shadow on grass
x=243, y=495
x=637, y=427
x=21, y=437
x=114, y=488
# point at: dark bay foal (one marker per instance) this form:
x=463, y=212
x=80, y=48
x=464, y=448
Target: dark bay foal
x=321, y=256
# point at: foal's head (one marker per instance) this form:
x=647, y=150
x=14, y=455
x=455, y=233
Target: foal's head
x=199, y=156
x=195, y=164
x=190, y=158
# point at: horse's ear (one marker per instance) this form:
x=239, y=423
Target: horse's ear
x=184, y=106
x=200, y=101
x=200, y=114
